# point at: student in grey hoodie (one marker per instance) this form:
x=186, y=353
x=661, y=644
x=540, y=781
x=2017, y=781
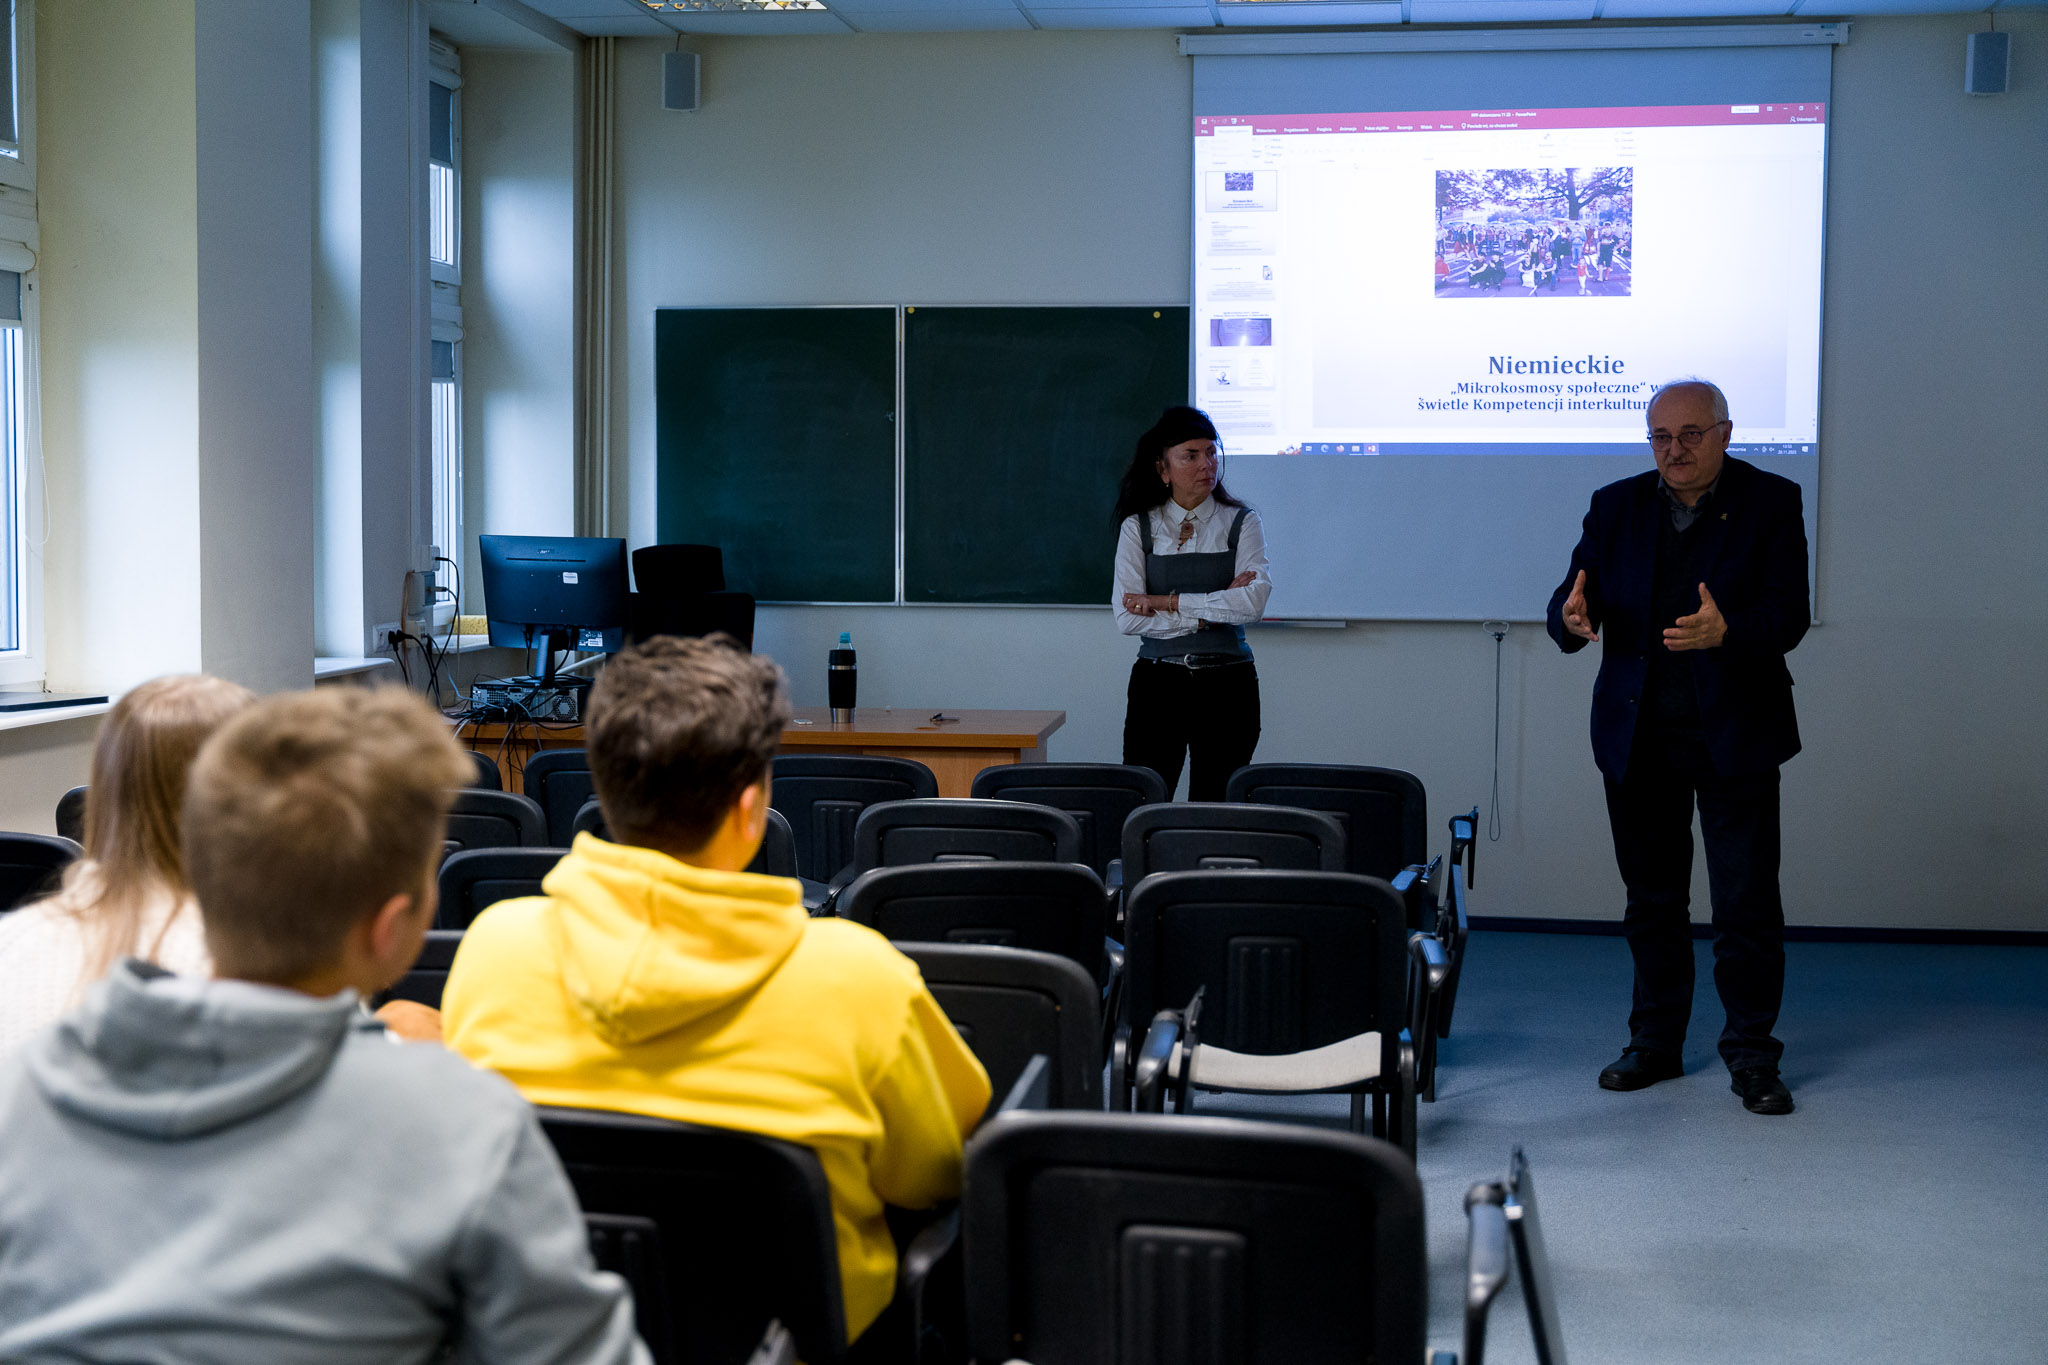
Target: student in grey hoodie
x=249, y=1169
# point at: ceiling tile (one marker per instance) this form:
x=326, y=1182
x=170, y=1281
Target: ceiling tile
x=617, y=26
x=1497, y=11
x=1132, y=16
x=1278, y=14
x=936, y=8
x=933, y=20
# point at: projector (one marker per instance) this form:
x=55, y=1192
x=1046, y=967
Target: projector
x=527, y=699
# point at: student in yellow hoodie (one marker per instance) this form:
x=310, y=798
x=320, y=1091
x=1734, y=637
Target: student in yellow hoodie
x=655, y=976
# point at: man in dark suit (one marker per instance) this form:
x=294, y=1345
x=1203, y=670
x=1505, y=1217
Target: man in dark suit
x=1696, y=573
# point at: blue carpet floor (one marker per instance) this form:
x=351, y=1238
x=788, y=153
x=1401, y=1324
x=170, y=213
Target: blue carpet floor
x=1899, y=1217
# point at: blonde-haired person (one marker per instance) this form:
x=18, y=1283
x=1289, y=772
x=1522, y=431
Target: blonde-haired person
x=128, y=896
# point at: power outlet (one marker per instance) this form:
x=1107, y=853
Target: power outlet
x=379, y=642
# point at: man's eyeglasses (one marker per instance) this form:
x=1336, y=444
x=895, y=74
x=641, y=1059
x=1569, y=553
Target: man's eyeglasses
x=1687, y=436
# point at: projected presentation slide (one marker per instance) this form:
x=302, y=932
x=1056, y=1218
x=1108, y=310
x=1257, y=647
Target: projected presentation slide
x=1505, y=282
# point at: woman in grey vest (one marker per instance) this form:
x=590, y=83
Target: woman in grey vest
x=1190, y=572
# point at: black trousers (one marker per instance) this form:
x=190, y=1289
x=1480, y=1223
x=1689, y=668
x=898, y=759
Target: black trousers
x=1650, y=811
x=1172, y=711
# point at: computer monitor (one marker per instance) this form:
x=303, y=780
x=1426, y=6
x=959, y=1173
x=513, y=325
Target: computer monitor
x=555, y=592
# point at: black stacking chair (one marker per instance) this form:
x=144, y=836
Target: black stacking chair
x=1044, y=906
x=1100, y=797
x=560, y=780
x=1272, y=982
x=679, y=569
x=428, y=976
x=1453, y=923
x=776, y=858
x=1502, y=1215
x=721, y=1232
x=1012, y=1004
x=696, y=614
x=942, y=830
x=487, y=777
x=475, y=879
x=31, y=865
x=488, y=819
x=822, y=796
x=1116, y=1237
x=1382, y=811
x=1186, y=835
x=71, y=816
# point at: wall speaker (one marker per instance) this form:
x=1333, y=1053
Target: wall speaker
x=1987, y=63
x=682, y=85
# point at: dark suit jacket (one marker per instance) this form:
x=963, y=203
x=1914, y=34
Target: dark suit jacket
x=1752, y=557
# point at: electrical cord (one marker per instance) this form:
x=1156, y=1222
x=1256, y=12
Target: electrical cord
x=1499, y=631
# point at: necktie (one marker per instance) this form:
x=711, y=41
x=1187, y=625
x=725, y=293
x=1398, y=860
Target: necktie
x=1187, y=531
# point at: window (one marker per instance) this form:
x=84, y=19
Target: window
x=20, y=438
x=444, y=290
x=447, y=418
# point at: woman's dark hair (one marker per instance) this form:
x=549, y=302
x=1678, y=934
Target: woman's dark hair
x=1142, y=489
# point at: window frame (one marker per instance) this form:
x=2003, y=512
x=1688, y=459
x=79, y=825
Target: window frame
x=26, y=665
x=444, y=68
x=19, y=171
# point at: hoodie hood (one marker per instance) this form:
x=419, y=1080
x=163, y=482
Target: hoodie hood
x=176, y=1056
x=648, y=944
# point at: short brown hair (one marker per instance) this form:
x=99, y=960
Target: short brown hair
x=677, y=729
x=308, y=811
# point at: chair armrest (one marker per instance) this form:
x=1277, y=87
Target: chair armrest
x=1428, y=950
x=1486, y=1264
x=1154, y=1061
x=841, y=879
x=777, y=1346
x=928, y=1283
x=1033, y=1087
x=1114, y=879
x=1443, y=1358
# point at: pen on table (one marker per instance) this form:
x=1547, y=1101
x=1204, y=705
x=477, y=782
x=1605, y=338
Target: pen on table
x=941, y=718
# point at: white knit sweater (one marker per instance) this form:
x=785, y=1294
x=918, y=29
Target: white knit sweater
x=43, y=951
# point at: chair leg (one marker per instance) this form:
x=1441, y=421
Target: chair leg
x=1358, y=1111
x=1379, y=1114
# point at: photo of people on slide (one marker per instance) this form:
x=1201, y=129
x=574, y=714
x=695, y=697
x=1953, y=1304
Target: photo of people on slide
x=1560, y=232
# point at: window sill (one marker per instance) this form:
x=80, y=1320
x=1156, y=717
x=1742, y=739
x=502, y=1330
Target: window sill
x=53, y=715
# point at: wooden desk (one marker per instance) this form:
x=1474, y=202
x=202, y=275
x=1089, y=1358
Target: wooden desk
x=955, y=750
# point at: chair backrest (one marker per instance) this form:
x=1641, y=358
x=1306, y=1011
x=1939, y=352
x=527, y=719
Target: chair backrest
x=560, y=780
x=667, y=570
x=695, y=614
x=1100, y=797
x=1011, y=1004
x=822, y=796
x=487, y=777
x=71, y=815
x=1382, y=811
x=428, y=975
x=717, y=1231
x=475, y=879
x=1183, y=836
x=1209, y=1241
x=775, y=858
x=1290, y=960
x=941, y=829
x=31, y=865
x=487, y=819
x=1047, y=907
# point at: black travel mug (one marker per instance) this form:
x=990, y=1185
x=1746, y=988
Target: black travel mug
x=840, y=679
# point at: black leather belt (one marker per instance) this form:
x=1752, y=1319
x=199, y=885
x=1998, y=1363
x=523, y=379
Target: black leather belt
x=1196, y=660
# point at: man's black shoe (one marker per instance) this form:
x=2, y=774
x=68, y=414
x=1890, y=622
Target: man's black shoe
x=1761, y=1090
x=1638, y=1067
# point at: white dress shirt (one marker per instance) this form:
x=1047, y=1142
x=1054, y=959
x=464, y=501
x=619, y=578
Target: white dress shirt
x=1230, y=607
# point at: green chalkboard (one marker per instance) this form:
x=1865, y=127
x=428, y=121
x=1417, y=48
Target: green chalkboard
x=775, y=439
x=1018, y=425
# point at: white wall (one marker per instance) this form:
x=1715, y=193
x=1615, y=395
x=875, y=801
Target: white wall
x=1053, y=168
x=517, y=225
x=117, y=153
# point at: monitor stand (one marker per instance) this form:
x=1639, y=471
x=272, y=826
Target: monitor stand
x=552, y=642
